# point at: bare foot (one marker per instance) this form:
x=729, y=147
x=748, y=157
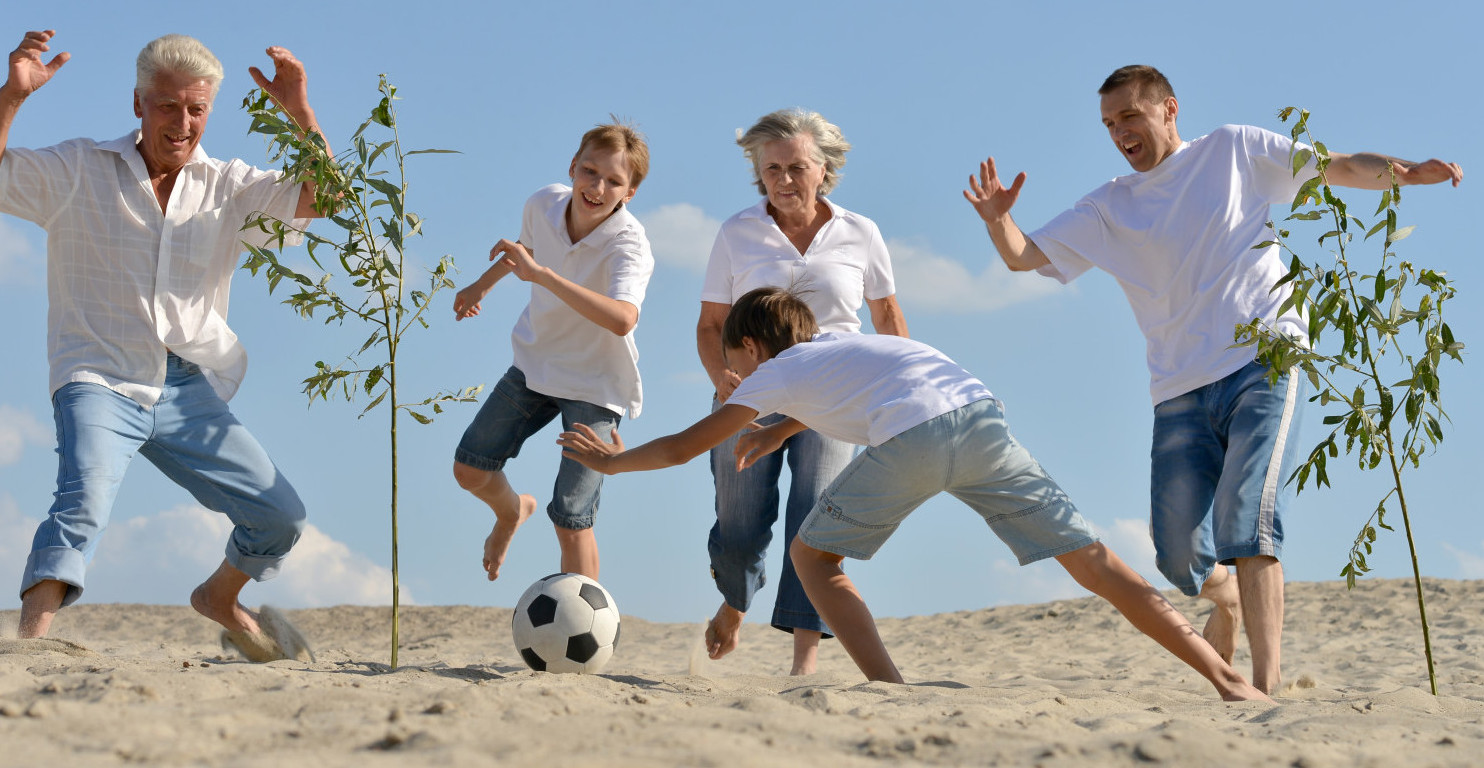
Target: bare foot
x=497, y=544
x=39, y=605
x=806, y=652
x=724, y=631
x=1226, y=617
x=229, y=614
x=1241, y=690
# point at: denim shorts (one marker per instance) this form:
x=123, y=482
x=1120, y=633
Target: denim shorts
x=968, y=453
x=1221, y=458
x=510, y=415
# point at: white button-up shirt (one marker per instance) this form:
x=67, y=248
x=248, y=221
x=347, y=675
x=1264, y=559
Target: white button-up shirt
x=126, y=281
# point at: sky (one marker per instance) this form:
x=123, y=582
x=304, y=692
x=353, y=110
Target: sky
x=924, y=93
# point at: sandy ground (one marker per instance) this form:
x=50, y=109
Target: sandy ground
x=1060, y=684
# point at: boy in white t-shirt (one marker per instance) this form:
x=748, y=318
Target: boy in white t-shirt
x=588, y=262
x=930, y=427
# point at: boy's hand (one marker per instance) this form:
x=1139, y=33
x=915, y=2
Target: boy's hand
x=991, y=198
x=583, y=446
x=515, y=254
x=758, y=441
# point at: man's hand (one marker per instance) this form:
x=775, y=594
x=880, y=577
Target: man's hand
x=289, y=87
x=584, y=446
x=27, y=72
x=758, y=441
x=519, y=258
x=1429, y=172
x=990, y=198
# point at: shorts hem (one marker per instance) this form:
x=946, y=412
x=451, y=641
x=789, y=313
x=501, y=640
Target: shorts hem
x=468, y=458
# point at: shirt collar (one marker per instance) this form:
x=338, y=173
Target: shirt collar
x=127, y=147
x=760, y=211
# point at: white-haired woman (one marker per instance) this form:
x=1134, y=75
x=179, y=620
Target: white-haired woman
x=794, y=238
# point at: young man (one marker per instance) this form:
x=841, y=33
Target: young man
x=588, y=262
x=143, y=234
x=1178, y=235
x=930, y=427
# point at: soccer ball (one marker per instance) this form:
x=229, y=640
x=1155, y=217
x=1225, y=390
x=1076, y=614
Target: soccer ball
x=565, y=622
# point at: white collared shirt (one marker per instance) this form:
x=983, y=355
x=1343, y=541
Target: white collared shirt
x=126, y=281
x=562, y=353
x=846, y=263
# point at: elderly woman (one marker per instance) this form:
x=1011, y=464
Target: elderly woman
x=793, y=238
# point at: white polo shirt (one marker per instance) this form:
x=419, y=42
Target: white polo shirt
x=860, y=388
x=562, y=353
x=846, y=263
x=126, y=281
x=1178, y=239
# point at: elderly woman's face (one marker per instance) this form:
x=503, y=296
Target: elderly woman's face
x=790, y=173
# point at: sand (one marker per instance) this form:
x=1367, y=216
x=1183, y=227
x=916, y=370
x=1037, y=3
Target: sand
x=1059, y=684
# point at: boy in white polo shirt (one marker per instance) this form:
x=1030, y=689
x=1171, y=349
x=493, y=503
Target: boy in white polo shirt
x=930, y=427
x=588, y=262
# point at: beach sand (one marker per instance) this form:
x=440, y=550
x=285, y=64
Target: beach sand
x=1067, y=683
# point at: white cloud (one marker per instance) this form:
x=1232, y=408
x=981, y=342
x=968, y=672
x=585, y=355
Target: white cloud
x=160, y=558
x=20, y=258
x=931, y=282
x=681, y=235
x=1470, y=564
x=17, y=428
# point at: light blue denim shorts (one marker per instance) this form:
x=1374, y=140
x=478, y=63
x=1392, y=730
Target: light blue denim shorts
x=1221, y=457
x=968, y=453
x=514, y=412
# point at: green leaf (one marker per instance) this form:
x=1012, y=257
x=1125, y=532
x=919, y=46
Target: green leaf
x=1400, y=234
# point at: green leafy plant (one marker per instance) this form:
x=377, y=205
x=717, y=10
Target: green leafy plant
x=364, y=268
x=1379, y=378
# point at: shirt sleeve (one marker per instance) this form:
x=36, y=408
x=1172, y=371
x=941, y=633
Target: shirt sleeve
x=1077, y=230
x=879, y=280
x=765, y=391
x=260, y=191
x=630, y=265
x=1271, y=156
x=35, y=183
x=717, y=286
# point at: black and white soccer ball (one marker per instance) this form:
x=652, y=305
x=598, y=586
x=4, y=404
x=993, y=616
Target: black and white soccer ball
x=565, y=622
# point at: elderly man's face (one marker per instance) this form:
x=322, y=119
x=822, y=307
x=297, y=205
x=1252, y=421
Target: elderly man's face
x=172, y=114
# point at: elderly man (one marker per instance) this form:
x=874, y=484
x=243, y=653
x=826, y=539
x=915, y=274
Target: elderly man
x=142, y=239
x=1179, y=234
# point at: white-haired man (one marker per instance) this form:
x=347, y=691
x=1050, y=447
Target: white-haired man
x=1179, y=234
x=142, y=239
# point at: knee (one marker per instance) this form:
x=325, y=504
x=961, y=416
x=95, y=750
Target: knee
x=808, y=559
x=469, y=478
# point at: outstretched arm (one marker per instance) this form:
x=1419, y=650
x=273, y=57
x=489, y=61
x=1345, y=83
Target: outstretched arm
x=27, y=74
x=993, y=201
x=583, y=445
x=613, y=315
x=289, y=89
x=1368, y=170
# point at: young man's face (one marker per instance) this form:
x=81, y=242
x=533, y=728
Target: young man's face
x=1142, y=129
x=600, y=182
x=172, y=115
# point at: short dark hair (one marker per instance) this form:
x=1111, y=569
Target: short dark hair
x=775, y=318
x=1149, y=83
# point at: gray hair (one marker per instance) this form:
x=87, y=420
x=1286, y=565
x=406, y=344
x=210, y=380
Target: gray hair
x=180, y=54
x=830, y=145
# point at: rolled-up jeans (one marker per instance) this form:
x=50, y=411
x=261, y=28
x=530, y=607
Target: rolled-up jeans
x=747, y=507
x=193, y=438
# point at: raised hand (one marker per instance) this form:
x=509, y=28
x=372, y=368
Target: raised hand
x=289, y=87
x=989, y=196
x=27, y=71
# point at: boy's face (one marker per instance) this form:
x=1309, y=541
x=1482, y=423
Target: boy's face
x=744, y=359
x=600, y=183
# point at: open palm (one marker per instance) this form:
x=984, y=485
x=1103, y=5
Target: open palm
x=27, y=71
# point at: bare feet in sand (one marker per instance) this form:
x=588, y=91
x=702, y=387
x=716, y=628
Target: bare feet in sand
x=229, y=613
x=1226, y=617
x=497, y=544
x=724, y=631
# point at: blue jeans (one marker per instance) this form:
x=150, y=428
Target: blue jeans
x=1221, y=458
x=509, y=416
x=193, y=438
x=747, y=507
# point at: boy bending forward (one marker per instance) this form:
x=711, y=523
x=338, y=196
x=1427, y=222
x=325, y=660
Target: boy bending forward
x=588, y=263
x=930, y=427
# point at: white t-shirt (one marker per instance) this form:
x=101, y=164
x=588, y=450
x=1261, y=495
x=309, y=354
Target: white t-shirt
x=125, y=280
x=1178, y=239
x=860, y=388
x=562, y=353
x=846, y=263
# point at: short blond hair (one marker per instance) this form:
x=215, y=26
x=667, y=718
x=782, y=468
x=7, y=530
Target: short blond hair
x=618, y=136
